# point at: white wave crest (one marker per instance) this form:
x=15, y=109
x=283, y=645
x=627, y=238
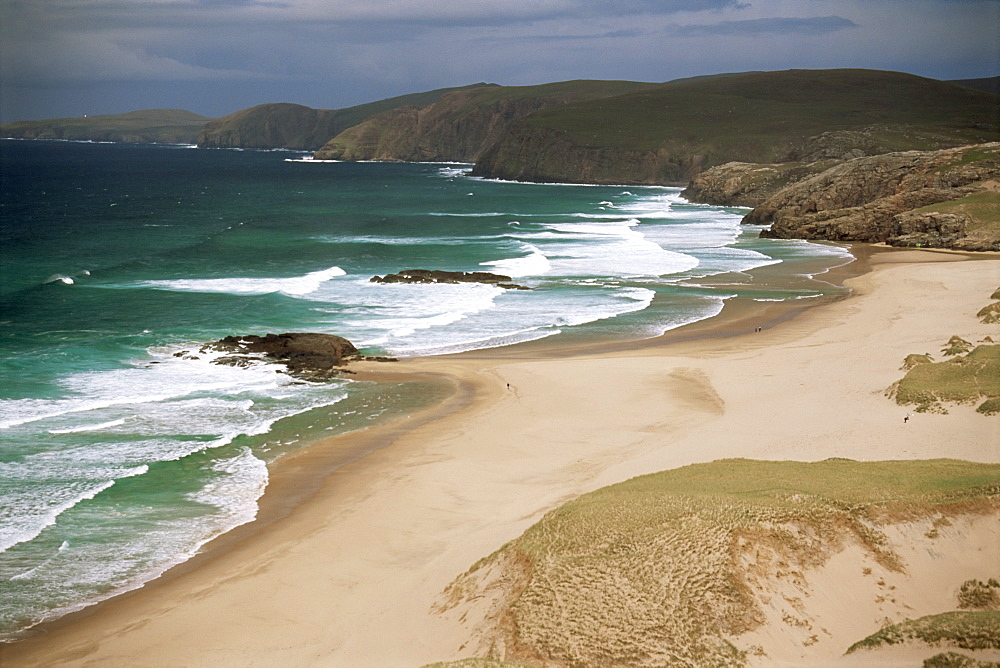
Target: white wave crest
x=294, y=286
x=533, y=264
x=31, y=521
x=89, y=427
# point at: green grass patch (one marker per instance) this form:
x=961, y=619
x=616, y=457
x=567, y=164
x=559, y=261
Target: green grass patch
x=956, y=346
x=982, y=207
x=915, y=359
x=476, y=663
x=653, y=571
x=964, y=379
x=962, y=629
x=956, y=660
x=989, y=314
x=989, y=407
x=976, y=594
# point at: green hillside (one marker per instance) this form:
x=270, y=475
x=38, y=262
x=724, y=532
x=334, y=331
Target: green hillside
x=170, y=126
x=294, y=126
x=462, y=124
x=671, y=132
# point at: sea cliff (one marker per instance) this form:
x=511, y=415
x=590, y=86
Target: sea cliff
x=461, y=125
x=942, y=199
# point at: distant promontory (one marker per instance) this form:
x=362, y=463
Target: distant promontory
x=820, y=154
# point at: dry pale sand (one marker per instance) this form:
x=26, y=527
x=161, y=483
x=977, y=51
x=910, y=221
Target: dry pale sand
x=346, y=567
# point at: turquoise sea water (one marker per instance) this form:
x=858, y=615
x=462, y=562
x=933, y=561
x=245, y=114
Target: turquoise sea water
x=119, y=457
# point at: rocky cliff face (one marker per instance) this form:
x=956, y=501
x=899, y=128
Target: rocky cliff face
x=749, y=183
x=543, y=155
x=268, y=126
x=449, y=130
x=892, y=198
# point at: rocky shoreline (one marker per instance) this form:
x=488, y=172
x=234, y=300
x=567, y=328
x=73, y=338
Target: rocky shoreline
x=931, y=199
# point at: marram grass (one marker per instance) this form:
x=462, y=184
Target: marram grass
x=972, y=630
x=659, y=570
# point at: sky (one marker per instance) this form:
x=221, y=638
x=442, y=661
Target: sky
x=67, y=58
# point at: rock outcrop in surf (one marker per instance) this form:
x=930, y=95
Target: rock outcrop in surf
x=442, y=276
x=307, y=356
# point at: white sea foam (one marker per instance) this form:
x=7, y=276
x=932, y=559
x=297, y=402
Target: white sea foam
x=452, y=172
x=398, y=310
x=611, y=249
x=89, y=427
x=533, y=264
x=392, y=241
x=143, y=556
x=236, y=491
x=22, y=519
x=294, y=286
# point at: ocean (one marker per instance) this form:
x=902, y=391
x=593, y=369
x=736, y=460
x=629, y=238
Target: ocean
x=123, y=449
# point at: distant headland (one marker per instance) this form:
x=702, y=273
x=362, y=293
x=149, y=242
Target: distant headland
x=733, y=139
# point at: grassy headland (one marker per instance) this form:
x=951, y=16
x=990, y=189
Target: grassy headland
x=461, y=125
x=294, y=126
x=679, y=128
x=168, y=126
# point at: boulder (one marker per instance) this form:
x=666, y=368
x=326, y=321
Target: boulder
x=306, y=356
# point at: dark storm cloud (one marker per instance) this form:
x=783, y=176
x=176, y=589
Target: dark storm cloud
x=64, y=57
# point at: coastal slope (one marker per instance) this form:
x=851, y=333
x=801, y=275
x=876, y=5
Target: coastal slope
x=297, y=127
x=670, y=133
x=166, y=126
x=461, y=125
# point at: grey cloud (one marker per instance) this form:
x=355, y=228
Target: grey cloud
x=785, y=26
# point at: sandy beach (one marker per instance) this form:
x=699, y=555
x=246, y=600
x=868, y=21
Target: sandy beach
x=351, y=554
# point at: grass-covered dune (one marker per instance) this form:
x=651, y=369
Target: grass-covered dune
x=702, y=565
x=669, y=133
x=294, y=126
x=168, y=126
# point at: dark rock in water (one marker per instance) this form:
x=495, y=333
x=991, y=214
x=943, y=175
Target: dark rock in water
x=441, y=276
x=306, y=356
